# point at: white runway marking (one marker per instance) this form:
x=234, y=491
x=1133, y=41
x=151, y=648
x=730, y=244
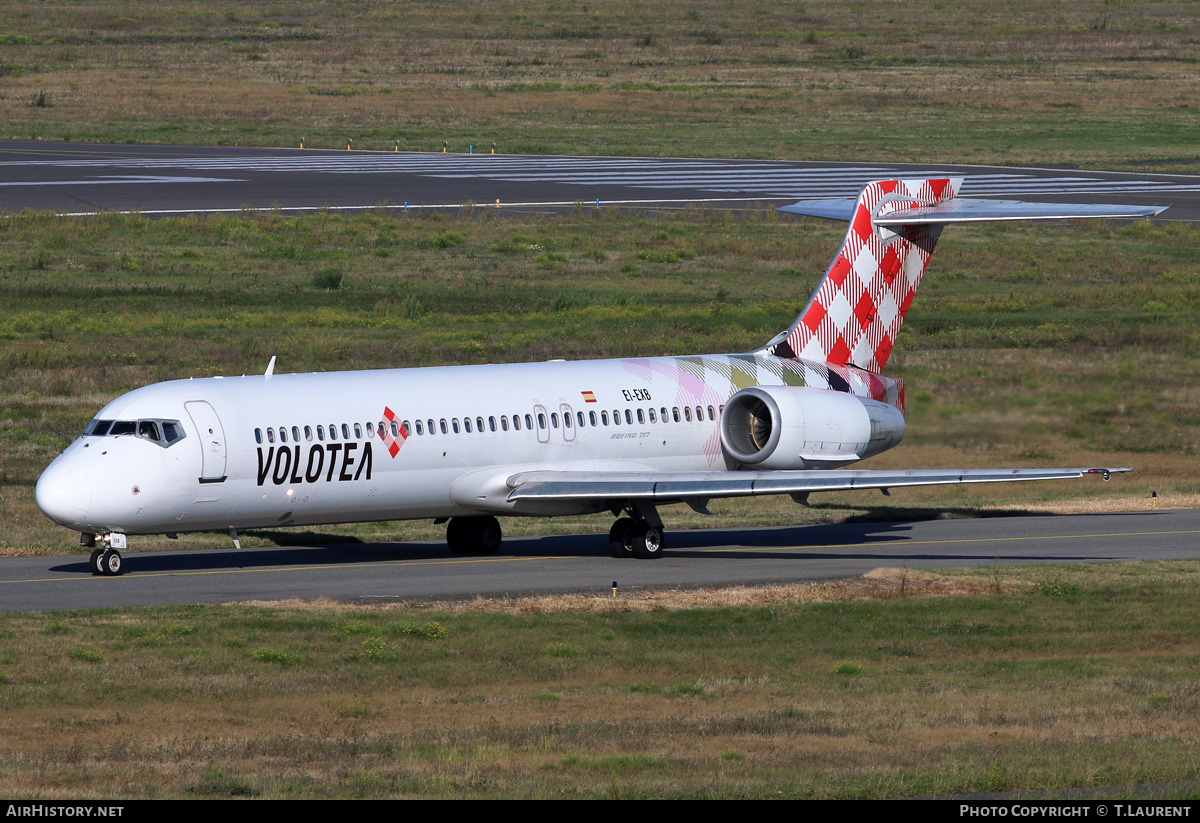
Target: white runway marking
x=117, y=179
x=756, y=179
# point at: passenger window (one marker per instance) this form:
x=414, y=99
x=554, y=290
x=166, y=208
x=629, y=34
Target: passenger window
x=554, y=420
x=454, y=424
x=687, y=413
x=308, y=433
x=467, y=424
x=270, y=435
x=333, y=431
x=541, y=420
x=321, y=433
x=641, y=416
x=504, y=422
x=604, y=417
x=592, y=418
x=529, y=422
x=345, y=431
x=283, y=434
x=675, y=413
x=616, y=417
x=628, y=417
x=429, y=425
x=296, y=434
x=566, y=421
x=663, y=413
x=371, y=430
x=492, y=423
x=711, y=413
x=579, y=416
x=699, y=414
x=358, y=431
x=653, y=419
x=258, y=436
x=396, y=429
x=420, y=429
x=442, y=423
x=407, y=429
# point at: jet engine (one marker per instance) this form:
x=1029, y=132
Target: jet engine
x=777, y=427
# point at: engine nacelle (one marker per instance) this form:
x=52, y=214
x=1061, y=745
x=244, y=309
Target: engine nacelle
x=777, y=427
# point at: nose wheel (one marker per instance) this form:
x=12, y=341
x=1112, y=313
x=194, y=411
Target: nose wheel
x=106, y=562
x=105, y=559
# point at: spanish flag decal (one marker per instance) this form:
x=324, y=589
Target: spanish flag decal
x=589, y=397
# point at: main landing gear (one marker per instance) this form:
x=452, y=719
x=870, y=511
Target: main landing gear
x=473, y=535
x=105, y=559
x=640, y=535
x=637, y=534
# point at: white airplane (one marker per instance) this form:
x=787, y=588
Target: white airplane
x=469, y=443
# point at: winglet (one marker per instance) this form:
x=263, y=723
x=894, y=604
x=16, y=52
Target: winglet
x=270, y=368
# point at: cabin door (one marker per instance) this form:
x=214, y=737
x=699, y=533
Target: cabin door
x=212, y=440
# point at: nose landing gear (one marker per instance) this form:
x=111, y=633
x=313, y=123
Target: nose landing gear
x=105, y=559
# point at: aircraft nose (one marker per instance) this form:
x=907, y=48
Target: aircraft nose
x=64, y=493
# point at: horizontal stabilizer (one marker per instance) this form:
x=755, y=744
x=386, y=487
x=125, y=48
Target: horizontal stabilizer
x=967, y=210
x=830, y=209
x=673, y=486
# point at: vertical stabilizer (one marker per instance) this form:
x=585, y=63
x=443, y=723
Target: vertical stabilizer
x=855, y=314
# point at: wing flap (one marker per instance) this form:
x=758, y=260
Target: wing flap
x=676, y=486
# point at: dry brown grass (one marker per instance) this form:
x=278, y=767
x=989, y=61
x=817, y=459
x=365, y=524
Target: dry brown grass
x=1087, y=681
x=878, y=584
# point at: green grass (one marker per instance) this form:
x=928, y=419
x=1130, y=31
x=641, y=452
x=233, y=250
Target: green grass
x=1093, y=83
x=901, y=696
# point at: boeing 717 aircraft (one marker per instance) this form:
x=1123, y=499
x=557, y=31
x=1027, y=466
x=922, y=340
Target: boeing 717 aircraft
x=468, y=444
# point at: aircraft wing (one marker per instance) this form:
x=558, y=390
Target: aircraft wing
x=664, y=487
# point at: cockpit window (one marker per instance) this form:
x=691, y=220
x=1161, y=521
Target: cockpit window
x=97, y=428
x=163, y=432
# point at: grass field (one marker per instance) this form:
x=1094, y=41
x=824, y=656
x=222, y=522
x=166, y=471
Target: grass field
x=1099, y=83
x=1024, y=679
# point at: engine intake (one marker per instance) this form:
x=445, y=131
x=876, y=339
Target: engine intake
x=777, y=427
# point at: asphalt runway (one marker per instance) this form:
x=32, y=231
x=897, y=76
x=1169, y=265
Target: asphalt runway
x=82, y=178
x=416, y=571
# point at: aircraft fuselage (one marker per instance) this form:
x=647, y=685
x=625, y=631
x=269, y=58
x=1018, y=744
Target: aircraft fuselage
x=305, y=449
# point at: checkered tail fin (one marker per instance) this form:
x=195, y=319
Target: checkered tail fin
x=853, y=317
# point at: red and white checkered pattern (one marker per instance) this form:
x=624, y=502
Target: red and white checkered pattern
x=392, y=442
x=856, y=311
